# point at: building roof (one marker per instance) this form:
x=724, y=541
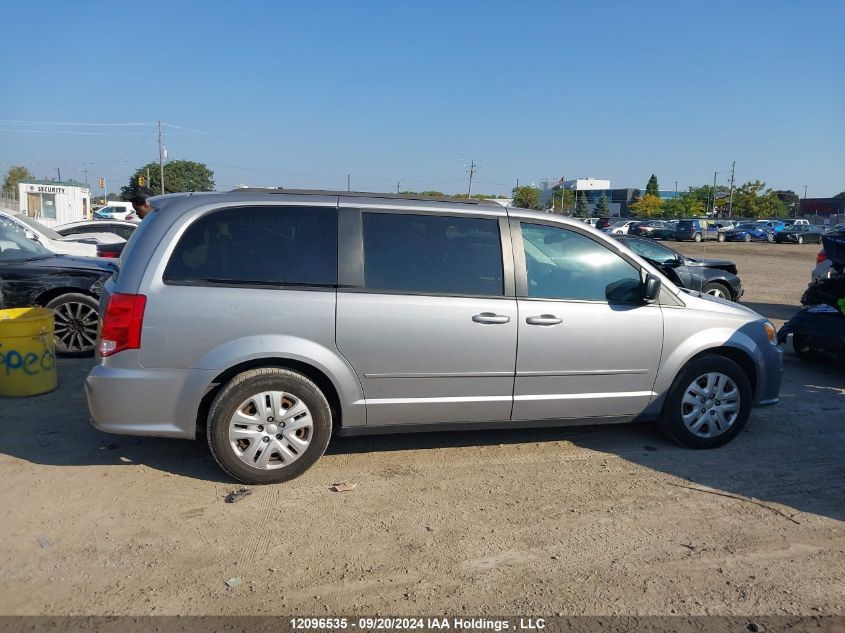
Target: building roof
x=57, y=183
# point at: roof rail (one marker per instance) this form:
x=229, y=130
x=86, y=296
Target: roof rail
x=357, y=194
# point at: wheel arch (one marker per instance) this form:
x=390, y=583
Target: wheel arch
x=316, y=375
x=48, y=295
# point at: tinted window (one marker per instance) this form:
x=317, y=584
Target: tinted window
x=562, y=264
x=264, y=245
x=432, y=254
x=650, y=250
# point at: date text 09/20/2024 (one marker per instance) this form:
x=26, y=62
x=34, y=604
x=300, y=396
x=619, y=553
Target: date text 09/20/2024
x=416, y=624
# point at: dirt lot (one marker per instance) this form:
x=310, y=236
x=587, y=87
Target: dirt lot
x=586, y=521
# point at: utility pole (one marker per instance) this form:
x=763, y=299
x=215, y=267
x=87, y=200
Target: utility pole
x=59, y=172
x=676, y=188
x=161, y=158
x=148, y=176
x=472, y=167
x=805, y=201
x=731, y=198
x=348, y=183
x=713, y=209
x=398, y=182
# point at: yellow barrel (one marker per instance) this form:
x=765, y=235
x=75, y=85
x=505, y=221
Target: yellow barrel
x=27, y=352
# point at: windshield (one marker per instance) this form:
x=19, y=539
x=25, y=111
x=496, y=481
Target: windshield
x=37, y=226
x=15, y=247
x=747, y=226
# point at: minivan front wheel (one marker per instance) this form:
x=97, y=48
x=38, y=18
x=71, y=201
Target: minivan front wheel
x=268, y=425
x=708, y=404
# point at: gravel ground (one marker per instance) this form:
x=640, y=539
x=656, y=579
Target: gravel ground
x=581, y=521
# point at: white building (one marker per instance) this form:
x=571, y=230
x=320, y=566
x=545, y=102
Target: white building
x=585, y=184
x=54, y=202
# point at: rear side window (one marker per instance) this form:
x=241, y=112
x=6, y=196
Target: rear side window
x=432, y=254
x=258, y=245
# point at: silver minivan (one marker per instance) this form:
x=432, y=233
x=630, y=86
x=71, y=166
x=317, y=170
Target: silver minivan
x=271, y=319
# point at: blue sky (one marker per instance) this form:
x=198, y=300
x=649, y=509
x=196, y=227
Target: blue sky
x=302, y=94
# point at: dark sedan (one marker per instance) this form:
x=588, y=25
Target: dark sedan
x=800, y=233
x=30, y=275
x=657, y=229
x=750, y=231
x=715, y=277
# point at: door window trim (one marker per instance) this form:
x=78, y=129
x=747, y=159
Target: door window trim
x=521, y=269
x=351, y=251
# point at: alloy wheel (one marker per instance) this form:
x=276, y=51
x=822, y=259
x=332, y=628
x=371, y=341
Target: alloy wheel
x=76, y=327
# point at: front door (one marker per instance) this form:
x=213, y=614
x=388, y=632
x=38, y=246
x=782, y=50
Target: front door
x=431, y=332
x=588, y=347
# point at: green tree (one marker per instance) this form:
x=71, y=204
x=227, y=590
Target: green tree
x=526, y=197
x=179, y=175
x=648, y=206
x=790, y=199
x=840, y=195
x=684, y=206
x=14, y=176
x=602, y=208
x=581, y=208
x=562, y=202
x=651, y=188
x=753, y=200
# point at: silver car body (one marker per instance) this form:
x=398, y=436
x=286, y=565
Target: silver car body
x=408, y=361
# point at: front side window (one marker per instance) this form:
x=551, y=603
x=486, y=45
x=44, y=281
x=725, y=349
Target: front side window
x=652, y=251
x=432, y=254
x=563, y=264
x=258, y=245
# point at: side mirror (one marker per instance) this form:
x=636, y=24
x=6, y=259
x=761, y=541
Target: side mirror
x=651, y=288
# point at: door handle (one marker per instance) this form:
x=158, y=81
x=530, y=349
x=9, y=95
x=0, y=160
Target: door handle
x=544, y=319
x=491, y=318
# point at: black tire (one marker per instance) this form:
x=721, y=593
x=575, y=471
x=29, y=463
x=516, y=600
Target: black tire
x=800, y=239
x=721, y=237
x=712, y=286
x=671, y=421
x=249, y=383
x=747, y=237
x=803, y=350
x=696, y=237
x=76, y=317
x=770, y=238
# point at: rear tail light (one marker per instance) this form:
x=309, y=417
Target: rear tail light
x=820, y=257
x=124, y=316
x=106, y=253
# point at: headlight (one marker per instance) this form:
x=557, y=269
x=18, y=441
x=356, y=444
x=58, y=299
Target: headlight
x=771, y=332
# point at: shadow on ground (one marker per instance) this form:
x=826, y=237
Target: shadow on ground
x=790, y=454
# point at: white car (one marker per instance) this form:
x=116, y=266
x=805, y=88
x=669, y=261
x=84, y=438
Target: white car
x=118, y=230
x=85, y=246
x=621, y=228
x=116, y=211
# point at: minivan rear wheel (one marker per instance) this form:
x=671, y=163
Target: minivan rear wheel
x=708, y=404
x=268, y=425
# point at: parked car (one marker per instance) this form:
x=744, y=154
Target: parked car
x=120, y=228
x=799, y=234
x=44, y=235
x=117, y=211
x=835, y=228
x=750, y=231
x=667, y=232
x=648, y=228
x=715, y=277
x=788, y=222
x=774, y=225
x=250, y=314
x=698, y=230
x=31, y=275
x=620, y=228
x=603, y=223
